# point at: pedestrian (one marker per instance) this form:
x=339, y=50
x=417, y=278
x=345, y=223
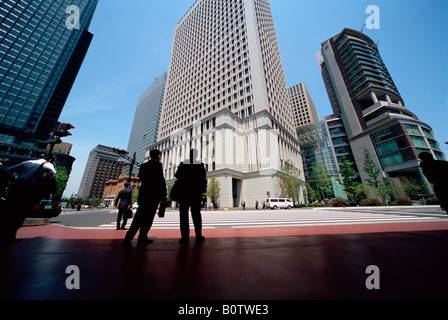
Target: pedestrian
x=192, y=181
x=436, y=171
x=256, y=204
x=123, y=203
x=34, y=181
x=243, y=203
x=152, y=192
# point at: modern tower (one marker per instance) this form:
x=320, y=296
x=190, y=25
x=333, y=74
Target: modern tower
x=226, y=96
x=146, y=119
x=42, y=47
x=364, y=96
x=103, y=165
x=303, y=108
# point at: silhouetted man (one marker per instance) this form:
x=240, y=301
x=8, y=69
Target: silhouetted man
x=123, y=202
x=34, y=181
x=192, y=180
x=152, y=191
x=436, y=171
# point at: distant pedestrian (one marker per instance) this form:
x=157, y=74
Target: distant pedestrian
x=123, y=203
x=243, y=204
x=152, y=192
x=35, y=181
x=191, y=176
x=436, y=171
x=256, y=204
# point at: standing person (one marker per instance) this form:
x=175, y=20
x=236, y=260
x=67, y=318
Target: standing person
x=436, y=171
x=35, y=181
x=243, y=203
x=152, y=191
x=191, y=176
x=123, y=203
x=256, y=204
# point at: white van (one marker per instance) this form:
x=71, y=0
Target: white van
x=276, y=203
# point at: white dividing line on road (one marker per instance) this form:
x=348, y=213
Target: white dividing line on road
x=245, y=219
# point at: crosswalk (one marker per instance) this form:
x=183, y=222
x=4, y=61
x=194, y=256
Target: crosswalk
x=285, y=218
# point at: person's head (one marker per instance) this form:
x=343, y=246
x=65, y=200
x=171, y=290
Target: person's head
x=155, y=154
x=425, y=156
x=193, y=153
x=127, y=185
x=48, y=157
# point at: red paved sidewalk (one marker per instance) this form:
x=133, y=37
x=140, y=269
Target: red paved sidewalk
x=61, y=232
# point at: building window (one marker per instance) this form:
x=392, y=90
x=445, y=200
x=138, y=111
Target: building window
x=392, y=158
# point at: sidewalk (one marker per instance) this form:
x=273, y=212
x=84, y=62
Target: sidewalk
x=322, y=262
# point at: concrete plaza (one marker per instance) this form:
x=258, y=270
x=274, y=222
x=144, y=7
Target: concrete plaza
x=263, y=263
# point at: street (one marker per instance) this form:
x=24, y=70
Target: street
x=222, y=219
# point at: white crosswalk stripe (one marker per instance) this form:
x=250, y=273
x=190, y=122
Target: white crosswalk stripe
x=279, y=218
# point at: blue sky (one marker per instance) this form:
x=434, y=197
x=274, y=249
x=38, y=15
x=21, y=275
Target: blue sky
x=132, y=45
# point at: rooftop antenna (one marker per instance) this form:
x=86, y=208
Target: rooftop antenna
x=362, y=27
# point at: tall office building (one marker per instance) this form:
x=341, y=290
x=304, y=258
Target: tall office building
x=303, y=108
x=42, y=48
x=226, y=96
x=103, y=165
x=364, y=96
x=146, y=120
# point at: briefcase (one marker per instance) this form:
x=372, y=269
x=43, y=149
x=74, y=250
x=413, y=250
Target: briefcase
x=161, y=211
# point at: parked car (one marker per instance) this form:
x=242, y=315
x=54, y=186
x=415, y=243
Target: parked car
x=46, y=209
x=276, y=203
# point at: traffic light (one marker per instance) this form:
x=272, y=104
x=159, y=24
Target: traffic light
x=62, y=130
x=120, y=151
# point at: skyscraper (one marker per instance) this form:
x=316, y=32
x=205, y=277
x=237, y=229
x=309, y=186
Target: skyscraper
x=146, y=120
x=302, y=105
x=364, y=96
x=226, y=96
x=42, y=46
x=103, y=165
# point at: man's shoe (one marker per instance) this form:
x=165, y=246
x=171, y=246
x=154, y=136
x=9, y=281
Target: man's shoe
x=144, y=242
x=200, y=239
x=184, y=241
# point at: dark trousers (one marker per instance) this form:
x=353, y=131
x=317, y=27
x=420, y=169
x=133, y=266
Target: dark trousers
x=143, y=220
x=122, y=213
x=22, y=197
x=184, y=219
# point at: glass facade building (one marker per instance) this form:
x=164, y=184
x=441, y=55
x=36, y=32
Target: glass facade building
x=367, y=102
x=42, y=46
x=146, y=120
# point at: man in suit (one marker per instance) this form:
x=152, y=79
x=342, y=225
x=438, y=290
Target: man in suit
x=436, y=171
x=35, y=181
x=193, y=183
x=123, y=202
x=152, y=191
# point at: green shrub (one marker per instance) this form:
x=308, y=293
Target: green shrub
x=432, y=201
x=370, y=202
x=403, y=202
x=339, y=202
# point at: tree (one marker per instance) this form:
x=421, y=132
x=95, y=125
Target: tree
x=321, y=180
x=213, y=190
x=350, y=179
x=61, y=182
x=289, y=180
x=382, y=187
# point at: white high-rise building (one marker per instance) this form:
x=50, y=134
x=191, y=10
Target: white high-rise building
x=226, y=96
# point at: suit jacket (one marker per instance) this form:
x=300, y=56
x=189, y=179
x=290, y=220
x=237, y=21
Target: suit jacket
x=153, y=186
x=125, y=197
x=192, y=179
